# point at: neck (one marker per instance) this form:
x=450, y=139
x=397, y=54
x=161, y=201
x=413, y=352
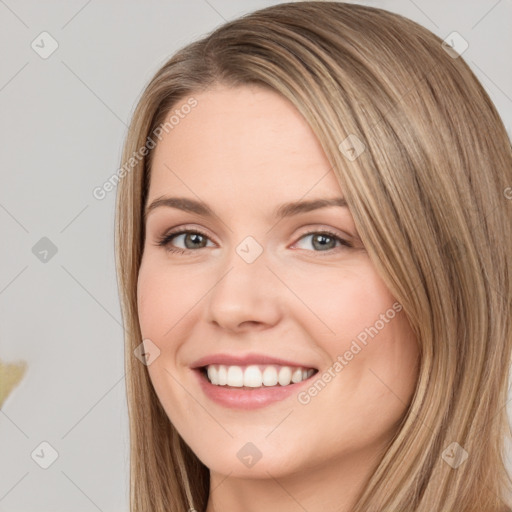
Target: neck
x=335, y=485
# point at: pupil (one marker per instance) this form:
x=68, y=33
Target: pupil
x=322, y=239
x=195, y=237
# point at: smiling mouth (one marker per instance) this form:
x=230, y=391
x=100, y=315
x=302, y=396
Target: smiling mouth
x=255, y=376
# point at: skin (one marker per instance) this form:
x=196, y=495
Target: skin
x=245, y=151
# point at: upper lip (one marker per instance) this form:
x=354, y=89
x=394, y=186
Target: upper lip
x=244, y=360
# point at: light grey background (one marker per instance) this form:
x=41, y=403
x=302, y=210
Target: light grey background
x=63, y=120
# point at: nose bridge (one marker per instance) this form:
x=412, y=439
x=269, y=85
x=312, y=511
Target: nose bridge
x=250, y=250
x=246, y=290
x=246, y=267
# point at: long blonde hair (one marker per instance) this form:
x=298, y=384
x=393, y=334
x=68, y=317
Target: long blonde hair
x=428, y=186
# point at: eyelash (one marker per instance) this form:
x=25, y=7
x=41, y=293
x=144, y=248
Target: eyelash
x=166, y=239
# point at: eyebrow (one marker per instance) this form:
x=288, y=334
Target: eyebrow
x=284, y=210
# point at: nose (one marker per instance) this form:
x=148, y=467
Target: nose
x=246, y=295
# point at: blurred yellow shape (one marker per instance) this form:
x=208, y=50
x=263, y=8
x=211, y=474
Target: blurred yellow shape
x=10, y=376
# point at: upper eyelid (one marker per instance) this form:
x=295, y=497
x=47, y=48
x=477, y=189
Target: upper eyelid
x=184, y=230
x=319, y=227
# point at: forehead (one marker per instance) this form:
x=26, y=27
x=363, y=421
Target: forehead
x=248, y=140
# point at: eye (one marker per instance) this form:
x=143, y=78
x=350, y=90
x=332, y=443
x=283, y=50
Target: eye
x=326, y=240
x=194, y=242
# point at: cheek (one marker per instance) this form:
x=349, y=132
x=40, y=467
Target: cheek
x=165, y=302
x=340, y=304
x=151, y=295
x=354, y=316
x=165, y=298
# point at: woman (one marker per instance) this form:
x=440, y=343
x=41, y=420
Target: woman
x=371, y=377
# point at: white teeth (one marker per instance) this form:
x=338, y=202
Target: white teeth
x=285, y=375
x=297, y=375
x=269, y=376
x=222, y=375
x=256, y=376
x=252, y=377
x=235, y=376
x=212, y=375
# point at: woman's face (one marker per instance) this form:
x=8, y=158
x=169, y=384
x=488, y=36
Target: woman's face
x=277, y=287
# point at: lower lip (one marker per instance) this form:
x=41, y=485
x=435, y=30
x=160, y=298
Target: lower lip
x=239, y=398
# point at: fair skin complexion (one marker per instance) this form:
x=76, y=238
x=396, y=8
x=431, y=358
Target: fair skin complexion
x=244, y=152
